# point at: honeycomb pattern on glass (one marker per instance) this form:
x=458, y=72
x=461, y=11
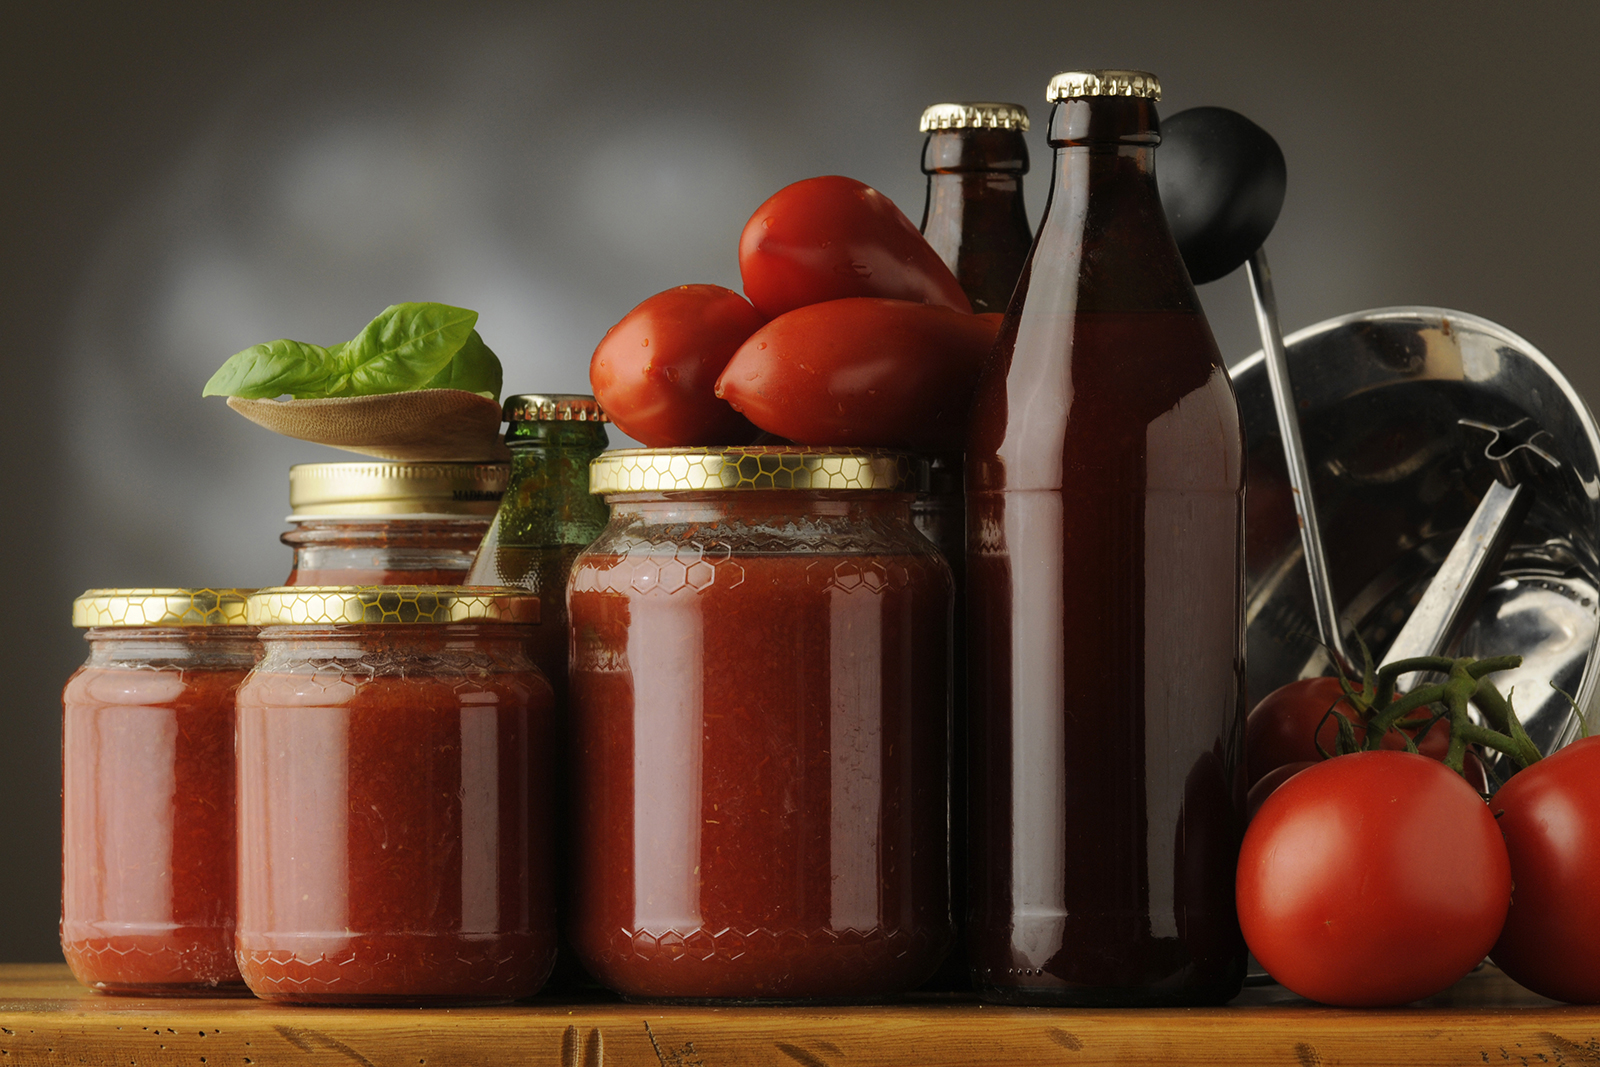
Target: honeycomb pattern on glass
x=204, y=958
x=653, y=470
x=663, y=567
x=160, y=607
x=389, y=605
x=730, y=944
x=506, y=966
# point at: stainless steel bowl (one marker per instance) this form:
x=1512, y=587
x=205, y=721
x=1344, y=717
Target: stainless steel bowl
x=1408, y=414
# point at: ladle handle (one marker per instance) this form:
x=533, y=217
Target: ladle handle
x=1294, y=455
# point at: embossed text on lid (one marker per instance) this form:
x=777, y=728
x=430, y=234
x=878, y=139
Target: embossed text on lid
x=654, y=470
x=389, y=605
x=974, y=115
x=553, y=407
x=160, y=607
x=1078, y=83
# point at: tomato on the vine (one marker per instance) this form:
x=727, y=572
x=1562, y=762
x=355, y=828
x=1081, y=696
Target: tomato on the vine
x=832, y=237
x=1550, y=815
x=653, y=373
x=1292, y=721
x=861, y=372
x=1372, y=879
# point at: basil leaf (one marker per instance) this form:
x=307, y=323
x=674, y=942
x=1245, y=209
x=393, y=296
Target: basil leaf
x=474, y=369
x=263, y=372
x=404, y=347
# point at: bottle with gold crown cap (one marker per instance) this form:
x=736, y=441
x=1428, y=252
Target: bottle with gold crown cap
x=547, y=515
x=974, y=156
x=1105, y=496
x=974, y=216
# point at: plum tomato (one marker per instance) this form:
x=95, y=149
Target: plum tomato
x=832, y=237
x=861, y=372
x=1373, y=879
x=1550, y=816
x=653, y=372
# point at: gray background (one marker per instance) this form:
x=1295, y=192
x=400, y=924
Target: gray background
x=183, y=180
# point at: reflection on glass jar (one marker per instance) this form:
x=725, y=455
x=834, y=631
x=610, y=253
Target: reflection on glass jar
x=760, y=701
x=375, y=523
x=147, y=796
x=394, y=817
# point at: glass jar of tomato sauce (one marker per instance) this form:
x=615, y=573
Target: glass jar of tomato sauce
x=760, y=706
x=394, y=818
x=377, y=523
x=147, y=791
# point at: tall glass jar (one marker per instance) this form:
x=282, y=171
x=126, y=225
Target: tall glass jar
x=378, y=523
x=760, y=704
x=394, y=751
x=147, y=791
x=1105, y=548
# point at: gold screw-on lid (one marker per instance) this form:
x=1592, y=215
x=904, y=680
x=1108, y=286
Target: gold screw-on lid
x=160, y=607
x=657, y=470
x=400, y=490
x=974, y=115
x=553, y=407
x=389, y=605
x=1075, y=83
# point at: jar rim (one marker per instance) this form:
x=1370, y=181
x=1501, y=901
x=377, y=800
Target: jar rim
x=390, y=605
x=747, y=467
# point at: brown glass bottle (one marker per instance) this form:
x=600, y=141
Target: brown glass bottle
x=974, y=217
x=1105, y=494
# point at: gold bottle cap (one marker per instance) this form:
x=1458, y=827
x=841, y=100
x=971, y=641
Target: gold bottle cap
x=974, y=115
x=389, y=605
x=553, y=407
x=659, y=470
x=397, y=490
x=1076, y=83
x=160, y=607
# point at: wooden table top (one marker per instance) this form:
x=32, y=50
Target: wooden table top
x=46, y=1019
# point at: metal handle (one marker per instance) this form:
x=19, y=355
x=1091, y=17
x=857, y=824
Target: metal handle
x=1294, y=455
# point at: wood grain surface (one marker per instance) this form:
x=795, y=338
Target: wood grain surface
x=47, y=1019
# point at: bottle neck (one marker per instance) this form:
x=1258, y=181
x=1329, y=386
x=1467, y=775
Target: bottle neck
x=1104, y=232
x=974, y=216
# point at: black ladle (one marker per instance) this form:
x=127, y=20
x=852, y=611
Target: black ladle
x=1222, y=180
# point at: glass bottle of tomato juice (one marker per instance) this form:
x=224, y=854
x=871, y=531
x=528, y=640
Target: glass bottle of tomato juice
x=760, y=717
x=1105, y=493
x=147, y=791
x=974, y=156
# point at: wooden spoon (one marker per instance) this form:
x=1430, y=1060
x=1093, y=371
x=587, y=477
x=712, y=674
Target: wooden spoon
x=418, y=426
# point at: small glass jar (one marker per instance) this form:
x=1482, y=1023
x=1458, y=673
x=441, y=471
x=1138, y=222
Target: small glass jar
x=760, y=708
x=394, y=812
x=147, y=791
x=389, y=523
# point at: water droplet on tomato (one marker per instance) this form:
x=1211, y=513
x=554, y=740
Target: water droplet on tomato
x=645, y=343
x=672, y=374
x=760, y=346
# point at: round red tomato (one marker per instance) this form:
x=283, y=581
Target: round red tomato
x=1550, y=816
x=1291, y=721
x=654, y=371
x=861, y=372
x=831, y=237
x=1372, y=879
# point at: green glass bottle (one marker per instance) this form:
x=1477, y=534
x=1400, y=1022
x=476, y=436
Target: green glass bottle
x=547, y=515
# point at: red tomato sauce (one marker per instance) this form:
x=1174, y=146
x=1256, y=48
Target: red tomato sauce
x=761, y=774
x=148, y=829
x=395, y=830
